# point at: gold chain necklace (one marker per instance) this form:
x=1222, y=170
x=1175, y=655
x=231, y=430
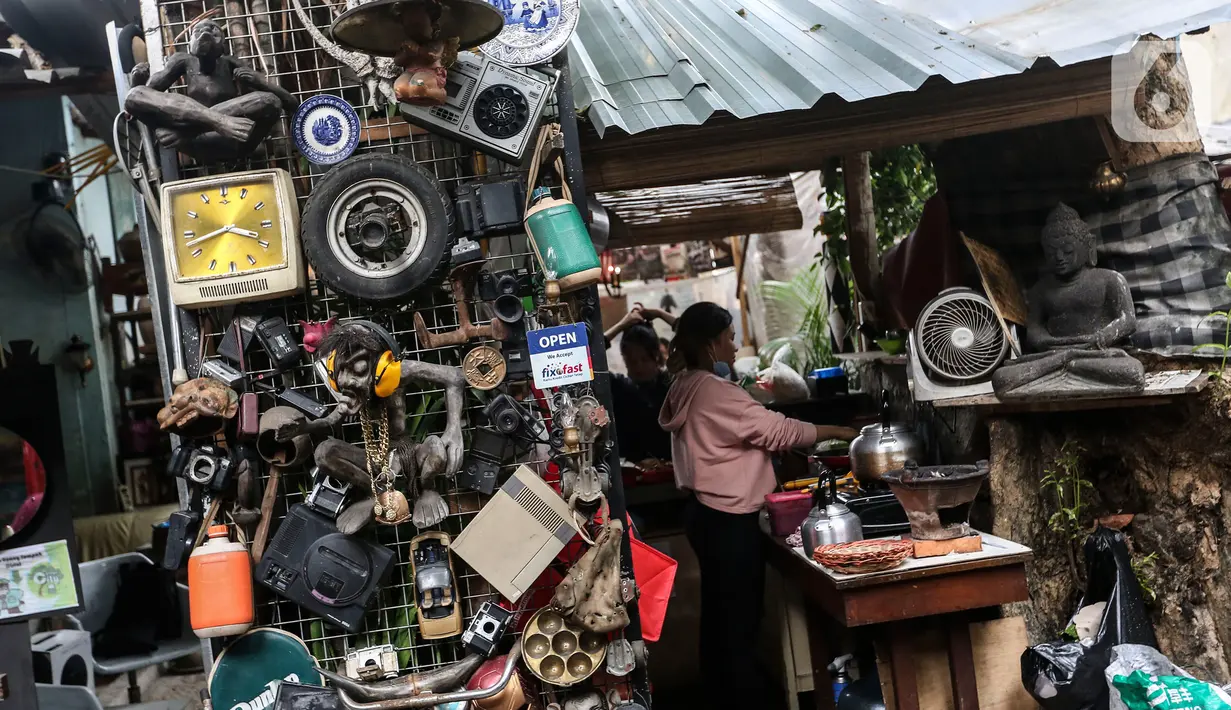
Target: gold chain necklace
x=390, y=505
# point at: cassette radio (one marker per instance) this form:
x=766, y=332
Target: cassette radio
x=492, y=108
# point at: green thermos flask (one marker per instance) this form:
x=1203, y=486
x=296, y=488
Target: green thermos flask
x=561, y=242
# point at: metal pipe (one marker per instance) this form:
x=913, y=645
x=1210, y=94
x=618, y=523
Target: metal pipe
x=427, y=700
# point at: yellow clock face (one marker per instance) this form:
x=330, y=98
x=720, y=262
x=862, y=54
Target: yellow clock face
x=227, y=229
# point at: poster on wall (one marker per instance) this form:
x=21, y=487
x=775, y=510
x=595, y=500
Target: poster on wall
x=36, y=579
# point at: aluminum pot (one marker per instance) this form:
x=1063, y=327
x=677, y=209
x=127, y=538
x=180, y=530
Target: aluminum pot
x=884, y=446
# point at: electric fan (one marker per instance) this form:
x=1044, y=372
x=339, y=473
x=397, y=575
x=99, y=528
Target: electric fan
x=955, y=346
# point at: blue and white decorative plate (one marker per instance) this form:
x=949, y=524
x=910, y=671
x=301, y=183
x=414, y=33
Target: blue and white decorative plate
x=325, y=129
x=534, y=30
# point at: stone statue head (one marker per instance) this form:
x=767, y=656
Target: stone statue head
x=1068, y=243
x=206, y=40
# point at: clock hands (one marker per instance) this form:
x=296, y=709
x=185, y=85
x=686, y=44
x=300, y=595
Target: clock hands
x=243, y=232
x=229, y=228
x=209, y=236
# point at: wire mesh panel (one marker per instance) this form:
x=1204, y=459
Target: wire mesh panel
x=268, y=36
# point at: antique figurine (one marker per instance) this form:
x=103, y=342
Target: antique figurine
x=427, y=67
x=363, y=365
x=425, y=56
x=1076, y=313
x=199, y=408
x=212, y=120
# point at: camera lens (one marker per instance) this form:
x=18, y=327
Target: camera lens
x=507, y=421
x=506, y=285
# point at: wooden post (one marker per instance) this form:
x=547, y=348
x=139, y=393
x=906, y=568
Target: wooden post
x=739, y=252
x=861, y=232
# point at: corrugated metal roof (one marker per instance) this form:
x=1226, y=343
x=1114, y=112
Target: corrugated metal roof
x=643, y=64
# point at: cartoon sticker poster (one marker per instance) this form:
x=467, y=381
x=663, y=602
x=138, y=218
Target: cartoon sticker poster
x=36, y=579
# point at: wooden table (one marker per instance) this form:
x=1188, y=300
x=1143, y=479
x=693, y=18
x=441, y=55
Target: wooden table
x=893, y=603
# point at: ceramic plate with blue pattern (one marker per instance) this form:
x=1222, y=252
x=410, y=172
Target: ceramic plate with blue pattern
x=534, y=30
x=326, y=129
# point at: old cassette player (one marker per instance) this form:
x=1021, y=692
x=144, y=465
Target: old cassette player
x=322, y=570
x=492, y=108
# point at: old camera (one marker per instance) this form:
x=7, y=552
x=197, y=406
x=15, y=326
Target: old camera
x=205, y=465
x=328, y=494
x=512, y=419
x=486, y=629
x=510, y=282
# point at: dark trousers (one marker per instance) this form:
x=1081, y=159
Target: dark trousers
x=730, y=550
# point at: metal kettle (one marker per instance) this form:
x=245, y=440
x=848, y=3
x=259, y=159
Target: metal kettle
x=829, y=522
x=885, y=446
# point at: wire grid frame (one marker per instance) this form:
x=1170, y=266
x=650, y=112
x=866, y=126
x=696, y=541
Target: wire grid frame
x=267, y=35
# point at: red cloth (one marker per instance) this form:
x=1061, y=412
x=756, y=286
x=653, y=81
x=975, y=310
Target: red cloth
x=923, y=264
x=26, y=512
x=36, y=477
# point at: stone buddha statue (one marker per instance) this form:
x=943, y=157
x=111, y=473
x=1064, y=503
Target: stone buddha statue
x=1076, y=313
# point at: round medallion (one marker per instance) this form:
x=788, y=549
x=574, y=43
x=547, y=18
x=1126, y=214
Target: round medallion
x=484, y=368
x=325, y=129
x=534, y=30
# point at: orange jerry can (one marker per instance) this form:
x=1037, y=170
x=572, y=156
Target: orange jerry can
x=220, y=586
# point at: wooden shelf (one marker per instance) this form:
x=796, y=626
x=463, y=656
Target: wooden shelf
x=1162, y=388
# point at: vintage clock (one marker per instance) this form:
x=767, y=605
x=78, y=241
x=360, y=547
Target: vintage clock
x=231, y=238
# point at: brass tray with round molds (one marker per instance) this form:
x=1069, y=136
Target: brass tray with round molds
x=559, y=653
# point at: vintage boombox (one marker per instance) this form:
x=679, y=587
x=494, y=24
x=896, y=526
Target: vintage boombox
x=492, y=108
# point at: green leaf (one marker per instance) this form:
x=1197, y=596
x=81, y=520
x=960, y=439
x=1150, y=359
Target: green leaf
x=316, y=631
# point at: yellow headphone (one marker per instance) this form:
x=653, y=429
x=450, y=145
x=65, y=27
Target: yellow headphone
x=388, y=368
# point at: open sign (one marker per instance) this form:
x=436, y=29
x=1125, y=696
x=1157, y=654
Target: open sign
x=560, y=356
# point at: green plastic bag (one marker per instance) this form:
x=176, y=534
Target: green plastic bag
x=1140, y=691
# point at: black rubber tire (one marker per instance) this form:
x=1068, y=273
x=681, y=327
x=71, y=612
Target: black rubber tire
x=436, y=204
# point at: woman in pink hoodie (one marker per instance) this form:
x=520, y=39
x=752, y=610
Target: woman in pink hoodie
x=721, y=442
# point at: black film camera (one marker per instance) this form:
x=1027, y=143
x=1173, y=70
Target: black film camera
x=205, y=465
x=510, y=418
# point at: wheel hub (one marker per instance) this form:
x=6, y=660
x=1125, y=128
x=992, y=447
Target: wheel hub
x=377, y=228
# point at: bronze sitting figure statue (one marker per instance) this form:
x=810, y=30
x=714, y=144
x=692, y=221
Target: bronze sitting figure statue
x=1075, y=314
x=212, y=120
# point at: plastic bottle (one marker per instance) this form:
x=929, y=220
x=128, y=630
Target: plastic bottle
x=562, y=242
x=220, y=586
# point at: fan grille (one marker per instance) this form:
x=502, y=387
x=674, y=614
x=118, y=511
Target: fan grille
x=959, y=336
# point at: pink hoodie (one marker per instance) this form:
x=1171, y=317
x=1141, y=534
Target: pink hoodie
x=721, y=439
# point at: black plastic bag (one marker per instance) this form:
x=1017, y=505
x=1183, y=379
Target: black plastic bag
x=1067, y=675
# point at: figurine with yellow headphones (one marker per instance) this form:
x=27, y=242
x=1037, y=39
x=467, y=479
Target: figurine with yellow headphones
x=365, y=371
